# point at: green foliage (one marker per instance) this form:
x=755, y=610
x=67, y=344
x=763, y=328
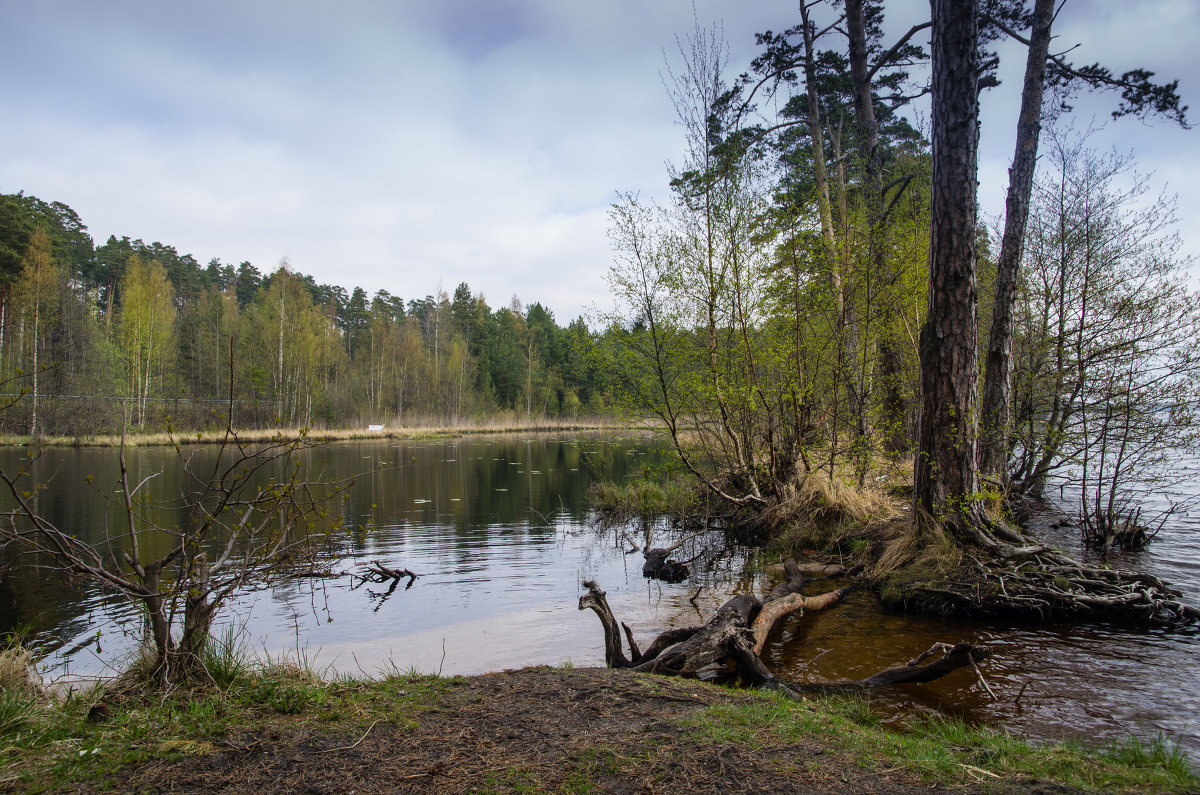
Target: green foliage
x=17, y=711
x=227, y=658
x=140, y=326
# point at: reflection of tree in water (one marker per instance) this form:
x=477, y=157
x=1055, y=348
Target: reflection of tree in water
x=491, y=501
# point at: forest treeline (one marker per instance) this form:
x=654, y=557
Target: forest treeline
x=94, y=336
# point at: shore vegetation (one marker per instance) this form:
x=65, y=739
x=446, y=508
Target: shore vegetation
x=521, y=731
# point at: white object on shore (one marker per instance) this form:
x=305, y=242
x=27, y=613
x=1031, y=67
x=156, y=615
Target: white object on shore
x=374, y=427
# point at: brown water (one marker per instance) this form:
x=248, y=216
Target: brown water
x=498, y=528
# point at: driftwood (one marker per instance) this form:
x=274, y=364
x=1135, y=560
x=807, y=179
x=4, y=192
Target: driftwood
x=378, y=573
x=735, y=635
x=659, y=564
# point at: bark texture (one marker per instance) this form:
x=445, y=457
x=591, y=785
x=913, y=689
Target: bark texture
x=737, y=632
x=995, y=412
x=945, y=476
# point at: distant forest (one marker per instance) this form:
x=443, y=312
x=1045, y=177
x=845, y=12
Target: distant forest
x=92, y=337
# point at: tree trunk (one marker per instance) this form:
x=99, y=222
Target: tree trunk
x=820, y=174
x=890, y=362
x=995, y=413
x=33, y=422
x=945, y=475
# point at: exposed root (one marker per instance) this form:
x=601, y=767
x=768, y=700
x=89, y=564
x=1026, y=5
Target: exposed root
x=1004, y=573
x=736, y=635
x=1055, y=586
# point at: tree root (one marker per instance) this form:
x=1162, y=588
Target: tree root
x=1051, y=585
x=735, y=635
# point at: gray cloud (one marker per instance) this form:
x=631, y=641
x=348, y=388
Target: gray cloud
x=390, y=145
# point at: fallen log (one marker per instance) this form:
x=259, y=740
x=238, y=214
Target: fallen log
x=736, y=633
x=960, y=655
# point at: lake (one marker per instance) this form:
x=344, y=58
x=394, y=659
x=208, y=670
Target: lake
x=499, y=530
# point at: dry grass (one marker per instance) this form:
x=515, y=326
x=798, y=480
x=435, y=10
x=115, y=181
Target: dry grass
x=21, y=691
x=914, y=555
x=17, y=672
x=820, y=512
x=420, y=430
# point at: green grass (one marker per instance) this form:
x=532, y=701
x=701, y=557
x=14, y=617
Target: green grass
x=17, y=711
x=56, y=748
x=946, y=751
x=59, y=747
x=227, y=657
x=644, y=497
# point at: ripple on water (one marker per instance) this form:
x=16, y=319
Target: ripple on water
x=499, y=589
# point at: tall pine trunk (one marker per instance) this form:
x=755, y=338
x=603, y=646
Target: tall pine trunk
x=945, y=477
x=996, y=411
x=890, y=361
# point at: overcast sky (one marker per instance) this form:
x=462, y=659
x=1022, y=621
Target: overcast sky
x=397, y=145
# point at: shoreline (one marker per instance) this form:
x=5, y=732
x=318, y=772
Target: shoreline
x=209, y=437
x=537, y=729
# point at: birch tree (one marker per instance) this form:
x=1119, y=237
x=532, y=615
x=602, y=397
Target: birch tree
x=145, y=328
x=37, y=302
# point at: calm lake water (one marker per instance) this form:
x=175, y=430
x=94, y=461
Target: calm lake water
x=498, y=528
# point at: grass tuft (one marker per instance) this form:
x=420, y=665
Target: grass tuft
x=17, y=672
x=21, y=691
x=227, y=658
x=643, y=497
x=819, y=513
x=1155, y=752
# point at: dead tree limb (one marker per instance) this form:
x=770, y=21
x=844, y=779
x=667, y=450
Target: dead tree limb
x=659, y=564
x=960, y=655
x=377, y=572
x=736, y=633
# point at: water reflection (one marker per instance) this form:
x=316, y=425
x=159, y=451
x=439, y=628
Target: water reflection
x=497, y=528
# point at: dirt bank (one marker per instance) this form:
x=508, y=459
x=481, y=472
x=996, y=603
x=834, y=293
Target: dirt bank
x=545, y=730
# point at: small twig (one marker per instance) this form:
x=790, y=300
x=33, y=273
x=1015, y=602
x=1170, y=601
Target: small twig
x=1017, y=700
x=982, y=681
x=972, y=769
x=814, y=659
x=694, y=596
x=937, y=648
x=360, y=739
